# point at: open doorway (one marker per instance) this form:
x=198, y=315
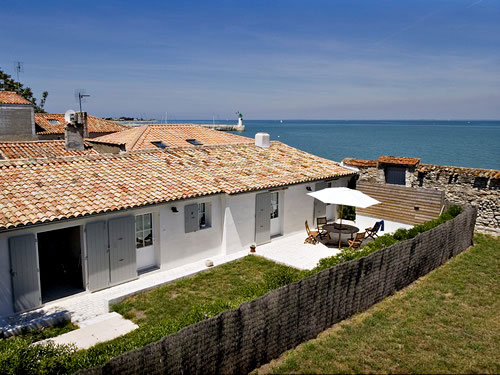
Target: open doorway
x=60, y=260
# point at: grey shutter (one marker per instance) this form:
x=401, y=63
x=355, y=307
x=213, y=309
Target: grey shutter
x=24, y=272
x=191, y=223
x=97, y=255
x=262, y=218
x=319, y=207
x=122, y=249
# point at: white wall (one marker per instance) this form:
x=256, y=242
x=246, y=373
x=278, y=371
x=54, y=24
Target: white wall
x=298, y=207
x=331, y=209
x=179, y=248
x=239, y=228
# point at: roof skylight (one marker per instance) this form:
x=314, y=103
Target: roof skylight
x=194, y=142
x=159, y=144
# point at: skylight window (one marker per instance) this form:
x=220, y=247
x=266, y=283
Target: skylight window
x=194, y=142
x=159, y=144
x=54, y=122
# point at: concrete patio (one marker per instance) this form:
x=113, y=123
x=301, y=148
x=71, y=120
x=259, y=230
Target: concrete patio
x=85, y=307
x=292, y=250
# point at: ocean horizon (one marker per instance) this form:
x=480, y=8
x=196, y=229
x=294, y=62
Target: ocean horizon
x=460, y=143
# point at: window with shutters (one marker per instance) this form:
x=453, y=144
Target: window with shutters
x=197, y=216
x=143, y=230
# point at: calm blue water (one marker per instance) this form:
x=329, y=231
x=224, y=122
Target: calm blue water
x=474, y=144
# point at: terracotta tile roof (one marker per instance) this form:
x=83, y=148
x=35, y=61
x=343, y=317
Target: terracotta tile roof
x=10, y=97
x=96, y=124
x=174, y=135
x=39, y=149
x=398, y=160
x=360, y=162
x=46, y=190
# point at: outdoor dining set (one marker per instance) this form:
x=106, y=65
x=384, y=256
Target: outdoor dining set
x=342, y=196
x=324, y=229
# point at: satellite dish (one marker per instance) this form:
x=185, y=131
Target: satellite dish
x=69, y=116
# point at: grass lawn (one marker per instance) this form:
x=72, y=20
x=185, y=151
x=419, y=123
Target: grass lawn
x=446, y=322
x=225, y=284
x=159, y=312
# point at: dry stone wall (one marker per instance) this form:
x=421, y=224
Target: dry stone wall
x=240, y=340
x=465, y=186
x=476, y=187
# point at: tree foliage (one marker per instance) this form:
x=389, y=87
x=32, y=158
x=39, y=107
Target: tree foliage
x=7, y=83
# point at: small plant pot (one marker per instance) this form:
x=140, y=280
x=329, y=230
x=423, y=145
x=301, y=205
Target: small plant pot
x=252, y=248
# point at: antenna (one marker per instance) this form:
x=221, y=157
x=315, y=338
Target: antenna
x=80, y=96
x=19, y=68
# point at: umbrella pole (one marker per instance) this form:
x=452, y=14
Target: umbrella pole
x=340, y=229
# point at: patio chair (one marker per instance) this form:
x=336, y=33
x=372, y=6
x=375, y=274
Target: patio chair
x=372, y=231
x=312, y=235
x=320, y=221
x=357, y=241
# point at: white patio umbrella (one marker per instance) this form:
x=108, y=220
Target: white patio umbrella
x=344, y=197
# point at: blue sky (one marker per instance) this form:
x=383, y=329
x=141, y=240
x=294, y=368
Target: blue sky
x=353, y=59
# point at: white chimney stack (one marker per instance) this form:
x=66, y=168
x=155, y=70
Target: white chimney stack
x=262, y=140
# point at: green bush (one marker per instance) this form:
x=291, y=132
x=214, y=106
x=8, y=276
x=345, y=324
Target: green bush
x=386, y=240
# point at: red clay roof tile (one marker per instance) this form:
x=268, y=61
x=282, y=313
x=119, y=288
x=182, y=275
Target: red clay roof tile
x=174, y=135
x=95, y=124
x=45, y=190
x=11, y=97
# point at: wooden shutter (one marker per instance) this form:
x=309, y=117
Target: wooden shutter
x=191, y=223
x=122, y=256
x=97, y=255
x=262, y=218
x=24, y=272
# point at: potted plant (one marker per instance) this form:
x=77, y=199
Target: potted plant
x=252, y=248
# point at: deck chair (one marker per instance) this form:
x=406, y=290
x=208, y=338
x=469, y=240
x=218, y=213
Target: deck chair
x=312, y=235
x=320, y=221
x=357, y=241
x=372, y=231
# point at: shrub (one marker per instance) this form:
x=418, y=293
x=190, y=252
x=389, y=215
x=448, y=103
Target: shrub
x=386, y=240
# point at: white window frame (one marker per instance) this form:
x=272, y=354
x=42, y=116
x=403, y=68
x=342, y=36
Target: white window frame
x=144, y=230
x=204, y=215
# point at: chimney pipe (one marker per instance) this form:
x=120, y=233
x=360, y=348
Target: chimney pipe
x=262, y=140
x=76, y=131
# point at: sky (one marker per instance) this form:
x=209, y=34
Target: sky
x=352, y=59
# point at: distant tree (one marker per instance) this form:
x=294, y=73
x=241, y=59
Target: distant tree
x=7, y=83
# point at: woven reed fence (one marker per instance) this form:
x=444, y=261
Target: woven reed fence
x=240, y=340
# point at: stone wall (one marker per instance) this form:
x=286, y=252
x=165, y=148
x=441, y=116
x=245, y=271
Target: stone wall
x=477, y=187
x=17, y=122
x=240, y=340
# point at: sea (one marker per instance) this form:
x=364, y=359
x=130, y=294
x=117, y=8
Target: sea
x=473, y=144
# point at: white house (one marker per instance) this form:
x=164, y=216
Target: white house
x=79, y=224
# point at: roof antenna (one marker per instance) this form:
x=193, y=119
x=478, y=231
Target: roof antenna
x=80, y=96
x=19, y=68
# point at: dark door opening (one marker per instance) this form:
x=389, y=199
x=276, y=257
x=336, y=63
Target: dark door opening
x=60, y=260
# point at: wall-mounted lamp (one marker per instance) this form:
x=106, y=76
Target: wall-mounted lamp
x=308, y=188
x=175, y=210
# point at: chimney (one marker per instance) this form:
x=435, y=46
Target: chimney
x=76, y=131
x=262, y=140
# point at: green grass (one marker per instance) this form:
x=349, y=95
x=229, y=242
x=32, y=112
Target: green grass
x=228, y=284
x=159, y=312
x=446, y=322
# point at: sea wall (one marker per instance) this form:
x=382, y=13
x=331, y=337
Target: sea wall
x=240, y=340
x=470, y=186
x=477, y=187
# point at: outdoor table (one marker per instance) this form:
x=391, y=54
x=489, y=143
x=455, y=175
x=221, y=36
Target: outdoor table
x=341, y=229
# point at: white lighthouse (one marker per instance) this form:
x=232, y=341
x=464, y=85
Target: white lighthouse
x=240, y=127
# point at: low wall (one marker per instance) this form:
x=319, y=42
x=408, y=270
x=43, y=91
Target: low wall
x=242, y=339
